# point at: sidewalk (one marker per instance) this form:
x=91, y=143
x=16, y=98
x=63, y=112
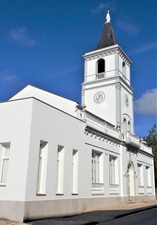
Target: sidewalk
x=98, y=216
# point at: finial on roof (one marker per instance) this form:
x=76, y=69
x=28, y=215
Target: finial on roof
x=108, y=18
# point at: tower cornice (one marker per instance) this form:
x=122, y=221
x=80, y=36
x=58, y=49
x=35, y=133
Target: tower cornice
x=96, y=54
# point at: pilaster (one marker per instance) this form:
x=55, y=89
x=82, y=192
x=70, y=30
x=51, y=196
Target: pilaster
x=116, y=63
x=118, y=105
x=132, y=115
x=85, y=70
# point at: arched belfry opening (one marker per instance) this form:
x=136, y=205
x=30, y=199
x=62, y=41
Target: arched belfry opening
x=124, y=126
x=129, y=126
x=124, y=68
x=101, y=66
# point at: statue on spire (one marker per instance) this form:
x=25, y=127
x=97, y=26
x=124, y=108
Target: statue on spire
x=108, y=18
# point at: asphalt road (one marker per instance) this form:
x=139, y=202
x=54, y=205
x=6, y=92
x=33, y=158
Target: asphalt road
x=148, y=217
x=143, y=216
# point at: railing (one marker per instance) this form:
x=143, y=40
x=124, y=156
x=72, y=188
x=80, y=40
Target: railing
x=94, y=119
x=114, y=189
x=100, y=125
x=106, y=74
x=132, y=139
x=100, y=75
x=146, y=148
x=141, y=189
x=149, y=189
x=97, y=188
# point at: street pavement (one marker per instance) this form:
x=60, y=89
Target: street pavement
x=93, y=217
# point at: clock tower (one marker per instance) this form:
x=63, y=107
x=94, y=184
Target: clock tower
x=106, y=90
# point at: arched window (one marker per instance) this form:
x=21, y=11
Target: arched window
x=123, y=68
x=129, y=126
x=124, y=126
x=101, y=66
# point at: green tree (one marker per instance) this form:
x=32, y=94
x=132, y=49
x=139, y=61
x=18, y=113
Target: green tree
x=151, y=141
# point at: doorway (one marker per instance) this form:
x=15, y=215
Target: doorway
x=130, y=181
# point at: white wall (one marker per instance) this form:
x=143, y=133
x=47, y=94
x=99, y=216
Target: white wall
x=49, y=98
x=15, y=123
x=106, y=109
x=127, y=111
x=56, y=128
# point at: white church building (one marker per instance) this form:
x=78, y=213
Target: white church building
x=58, y=158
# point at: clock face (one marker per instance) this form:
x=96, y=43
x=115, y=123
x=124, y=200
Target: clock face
x=99, y=97
x=126, y=100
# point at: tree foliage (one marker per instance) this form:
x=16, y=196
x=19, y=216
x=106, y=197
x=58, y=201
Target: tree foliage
x=151, y=141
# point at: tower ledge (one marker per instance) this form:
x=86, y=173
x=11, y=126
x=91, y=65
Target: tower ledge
x=107, y=51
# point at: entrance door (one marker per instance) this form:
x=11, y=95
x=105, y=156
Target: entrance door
x=130, y=182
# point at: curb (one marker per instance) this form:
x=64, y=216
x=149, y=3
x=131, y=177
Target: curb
x=136, y=211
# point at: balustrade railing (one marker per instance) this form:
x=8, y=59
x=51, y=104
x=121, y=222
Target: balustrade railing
x=100, y=124
x=100, y=75
x=106, y=74
x=132, y=139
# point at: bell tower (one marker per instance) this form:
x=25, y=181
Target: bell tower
x=106, y=90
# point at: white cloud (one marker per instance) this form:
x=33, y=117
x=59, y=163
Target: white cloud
x=65, y=71
x=147, y=104
x=6, y=76
x=20, y=36
x=128, y=27
x=144, y=48
x=102, y=6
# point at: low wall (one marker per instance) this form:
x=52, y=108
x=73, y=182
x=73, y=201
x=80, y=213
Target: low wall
x=13, y=210
x=33, y=210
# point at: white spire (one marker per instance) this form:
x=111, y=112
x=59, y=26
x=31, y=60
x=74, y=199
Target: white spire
x=108, y=18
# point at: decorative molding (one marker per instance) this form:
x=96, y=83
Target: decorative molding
x=97, y=81
x=102, y=137
x=118, y=86
x=139, y=153
x=99, y=55
x=106, y=52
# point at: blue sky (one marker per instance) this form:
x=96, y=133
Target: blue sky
x=42, y=43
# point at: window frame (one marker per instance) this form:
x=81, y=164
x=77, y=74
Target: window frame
x=97, y=161
x=140, y=174
x=42, y=168
x=75, y=172
x=60, y=170
x=98, y=65
x=3, y=159
x=113, y=170
x=124, y=68
x=148, y=176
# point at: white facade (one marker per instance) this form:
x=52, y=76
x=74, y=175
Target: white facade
x=57, y=158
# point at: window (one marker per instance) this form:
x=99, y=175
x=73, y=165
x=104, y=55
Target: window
x=113, y=170
x=75, y=171
x=4, y=162
x=123, y=68
x=140, y=175
x=42, y=167
x=129, y=126
x=101, y=66
x=124, y=126
x=60, y=169
x=97, y=167
x=148, y=180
